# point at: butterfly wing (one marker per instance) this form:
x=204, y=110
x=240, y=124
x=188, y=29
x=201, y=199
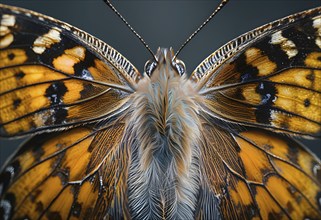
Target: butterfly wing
x=269, y=77
x=79, y=173
x=51, y=75
x=257, y=174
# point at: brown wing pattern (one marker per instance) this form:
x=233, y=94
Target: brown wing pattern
x=79, y=173
x=257, y=174
x=270, y=77
x=51, y=74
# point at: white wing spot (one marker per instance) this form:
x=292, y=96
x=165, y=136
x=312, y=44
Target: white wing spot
x=10, y=170
x=6, y=37
x=317, y=22
x=287, y=45
x=40, y=119
x=6, y=40
x=8, y=20
x=317, y=25
x=316, y=168
x=45, y=41
x=4, y=30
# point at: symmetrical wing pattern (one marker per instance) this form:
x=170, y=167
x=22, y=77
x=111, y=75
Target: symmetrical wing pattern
x=110, y=145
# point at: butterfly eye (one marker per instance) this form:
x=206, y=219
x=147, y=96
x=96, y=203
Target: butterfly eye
x=150, y=67
x=180, y=67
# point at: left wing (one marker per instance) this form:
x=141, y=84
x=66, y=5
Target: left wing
x=269, y=77
x=79, y=173
x=54, y=76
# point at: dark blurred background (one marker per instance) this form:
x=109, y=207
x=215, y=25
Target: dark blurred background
x=164, y=23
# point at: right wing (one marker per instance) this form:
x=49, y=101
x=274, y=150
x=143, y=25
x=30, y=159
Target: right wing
x=257, y=174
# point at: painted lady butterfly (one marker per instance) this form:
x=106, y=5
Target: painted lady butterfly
x=112, y=142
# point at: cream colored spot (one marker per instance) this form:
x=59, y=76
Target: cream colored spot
x=41, y=118
x=8, y=20
x=6, y=41
x=317, y=25
x=317, y=22
x=46, y=41
x=4, y=30
x=316, y=168
x=287, y=45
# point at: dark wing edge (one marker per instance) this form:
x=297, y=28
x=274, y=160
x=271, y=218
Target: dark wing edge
x=269, y=77
x=210, y=65
x=105, y=51
x=54, y=76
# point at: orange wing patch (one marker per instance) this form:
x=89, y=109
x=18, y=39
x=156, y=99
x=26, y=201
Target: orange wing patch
x=66, y=61
x=12, y=57
x=15, y=77
x=255, y=58
x=264, y=175
x=281, y=102
x=70, y=169
x=313, y=60
x=52, y=79
x=268, y=78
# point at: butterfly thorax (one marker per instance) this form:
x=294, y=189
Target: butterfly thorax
x=165, y=145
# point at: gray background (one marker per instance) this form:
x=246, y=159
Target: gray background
x=164, y=23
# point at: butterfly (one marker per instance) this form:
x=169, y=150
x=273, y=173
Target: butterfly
x=107, y=153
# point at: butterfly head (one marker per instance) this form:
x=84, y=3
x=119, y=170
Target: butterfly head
x=165, y=60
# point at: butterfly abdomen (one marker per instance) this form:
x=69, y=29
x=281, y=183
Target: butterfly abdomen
x=163, y=179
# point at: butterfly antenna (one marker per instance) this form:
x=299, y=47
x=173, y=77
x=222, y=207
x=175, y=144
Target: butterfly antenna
x=130, y=27
x=221, y=5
